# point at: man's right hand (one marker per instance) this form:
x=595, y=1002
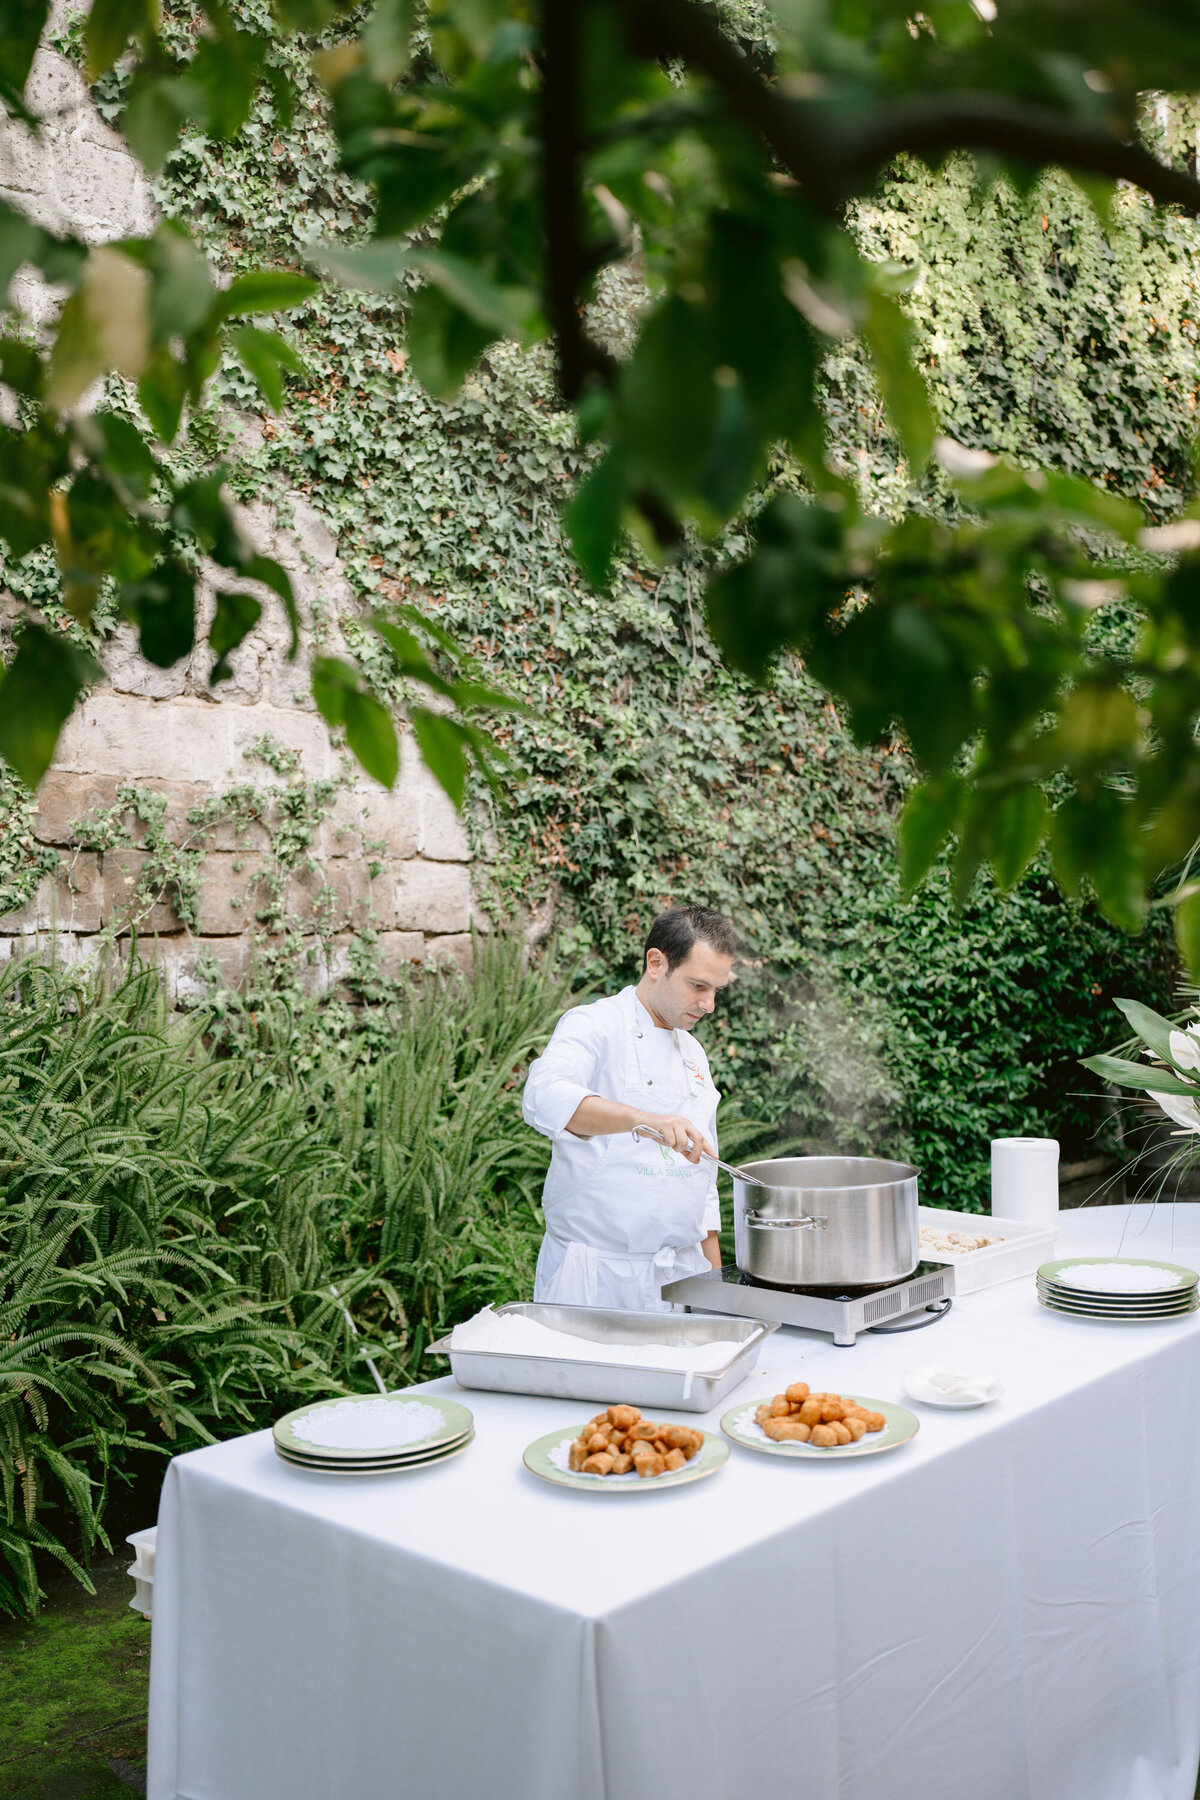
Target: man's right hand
x=678, y=1134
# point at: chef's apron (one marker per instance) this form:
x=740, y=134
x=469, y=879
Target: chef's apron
x=641, y=1194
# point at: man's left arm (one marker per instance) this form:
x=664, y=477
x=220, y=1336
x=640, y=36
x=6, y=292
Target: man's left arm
x=710, y=1243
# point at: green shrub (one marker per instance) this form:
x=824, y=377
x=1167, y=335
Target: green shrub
x=178, y=1199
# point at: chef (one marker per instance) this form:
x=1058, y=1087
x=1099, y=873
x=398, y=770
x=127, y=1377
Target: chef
x=625, y=1214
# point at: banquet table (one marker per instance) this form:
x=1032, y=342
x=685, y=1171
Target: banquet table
x=1007, y=1607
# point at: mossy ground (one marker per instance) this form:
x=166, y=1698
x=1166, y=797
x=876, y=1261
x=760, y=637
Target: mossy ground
x=73, y=1686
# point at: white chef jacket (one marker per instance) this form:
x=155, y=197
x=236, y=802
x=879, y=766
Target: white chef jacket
x=623, y=1215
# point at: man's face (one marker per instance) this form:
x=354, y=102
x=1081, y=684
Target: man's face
x=681, y=998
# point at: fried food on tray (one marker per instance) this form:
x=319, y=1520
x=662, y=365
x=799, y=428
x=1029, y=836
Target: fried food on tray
x=620, y=1442
x=798, y=1416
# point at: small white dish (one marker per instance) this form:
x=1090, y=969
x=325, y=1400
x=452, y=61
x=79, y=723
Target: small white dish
x=935, y=1385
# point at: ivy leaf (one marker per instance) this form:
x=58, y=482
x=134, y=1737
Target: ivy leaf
x=930, y=815
x=37, y=696
x=263, y=354
x=593, y=518
x=265, y=291
x=889, y=336
x=442, y=743
x=21, y=241
x=370, y=730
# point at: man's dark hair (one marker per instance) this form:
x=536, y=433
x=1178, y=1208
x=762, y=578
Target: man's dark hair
x=675, y=931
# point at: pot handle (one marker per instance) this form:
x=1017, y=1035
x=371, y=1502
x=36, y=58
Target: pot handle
x=761, y=1223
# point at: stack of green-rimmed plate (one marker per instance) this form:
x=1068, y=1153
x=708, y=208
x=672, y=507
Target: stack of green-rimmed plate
x=373, y=1434
x=1121, y=1290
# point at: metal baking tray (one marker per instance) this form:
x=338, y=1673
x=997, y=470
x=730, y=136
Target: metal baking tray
x=606, y=1381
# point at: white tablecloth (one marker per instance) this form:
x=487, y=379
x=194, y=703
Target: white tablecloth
x=1007, y=1607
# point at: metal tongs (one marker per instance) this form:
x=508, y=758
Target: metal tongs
x=741, y=1174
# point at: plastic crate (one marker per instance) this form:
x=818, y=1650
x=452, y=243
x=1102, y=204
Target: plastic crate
x=1024, y=1249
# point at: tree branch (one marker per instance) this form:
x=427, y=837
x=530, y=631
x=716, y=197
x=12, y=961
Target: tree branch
x=568, y=263
x=832, y=162
x=981, y=121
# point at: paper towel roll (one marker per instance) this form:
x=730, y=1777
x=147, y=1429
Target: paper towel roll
x=1025, y=1180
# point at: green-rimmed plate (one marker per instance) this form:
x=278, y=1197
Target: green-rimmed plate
x=1052, y=1272
x=398, y=1466
x=1185, y=1301
x=456, y=1422
x=713, y=1456
x=740, y=1424
x=1117, y=1318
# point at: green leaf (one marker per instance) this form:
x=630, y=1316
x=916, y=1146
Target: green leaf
x=593, y=519
x=21, y=25
x=164, y=606
x=305, y=15
x=930, y=815
x=1138, y=1075
x=162, y=391
x=442, y=743
x=386, y=39
x=21, y=241
x=235, y=617
x=37, y=696
x=1013, y=831
x=274, y=576
x=889, y=336
x=155, y=112
x=105, y=324
x=1151, y=1027
x=1187, y=934
x=370, y=730
x=369, y=268
x=21, y=367
x=444, y=343
x=265, y=291
x=110, y=25
x=668, y=399
x=263, y=355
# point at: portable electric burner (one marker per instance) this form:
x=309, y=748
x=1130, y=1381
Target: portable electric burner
x=925, y=1296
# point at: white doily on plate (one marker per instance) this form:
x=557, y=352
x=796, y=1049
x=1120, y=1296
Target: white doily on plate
x=1118, y=1278
x=376, y=1423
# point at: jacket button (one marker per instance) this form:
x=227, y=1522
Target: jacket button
x=649, y=1081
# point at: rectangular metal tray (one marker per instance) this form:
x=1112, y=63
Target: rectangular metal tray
x=606, y=1381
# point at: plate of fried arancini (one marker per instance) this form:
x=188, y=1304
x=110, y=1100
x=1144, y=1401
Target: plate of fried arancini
x=804, y=1423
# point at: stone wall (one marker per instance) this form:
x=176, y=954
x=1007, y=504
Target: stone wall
x=393, y=864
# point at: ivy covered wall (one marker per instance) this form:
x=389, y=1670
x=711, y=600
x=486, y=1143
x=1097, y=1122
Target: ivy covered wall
x=643, y=771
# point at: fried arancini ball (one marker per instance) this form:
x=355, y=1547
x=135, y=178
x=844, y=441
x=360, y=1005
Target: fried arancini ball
x=810, y=1411
x=763, y=1412
x=854, y=1426
x=787, y=1431
x=600, y=1464
x=797, y=1393
x=832, y=1410
x=623, y=1417
x=840, y=1432
x=822, y=1435
x=874, y=1421
x=577, y=1455
x=779, y=1408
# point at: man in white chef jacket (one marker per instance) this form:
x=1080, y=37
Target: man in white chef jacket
x=625, y=1214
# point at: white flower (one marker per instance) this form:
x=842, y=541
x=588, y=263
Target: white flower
x=1185, y=1048
x=1184, y=1112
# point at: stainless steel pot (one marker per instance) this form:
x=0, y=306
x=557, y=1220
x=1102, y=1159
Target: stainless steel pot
x=826, y=1221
